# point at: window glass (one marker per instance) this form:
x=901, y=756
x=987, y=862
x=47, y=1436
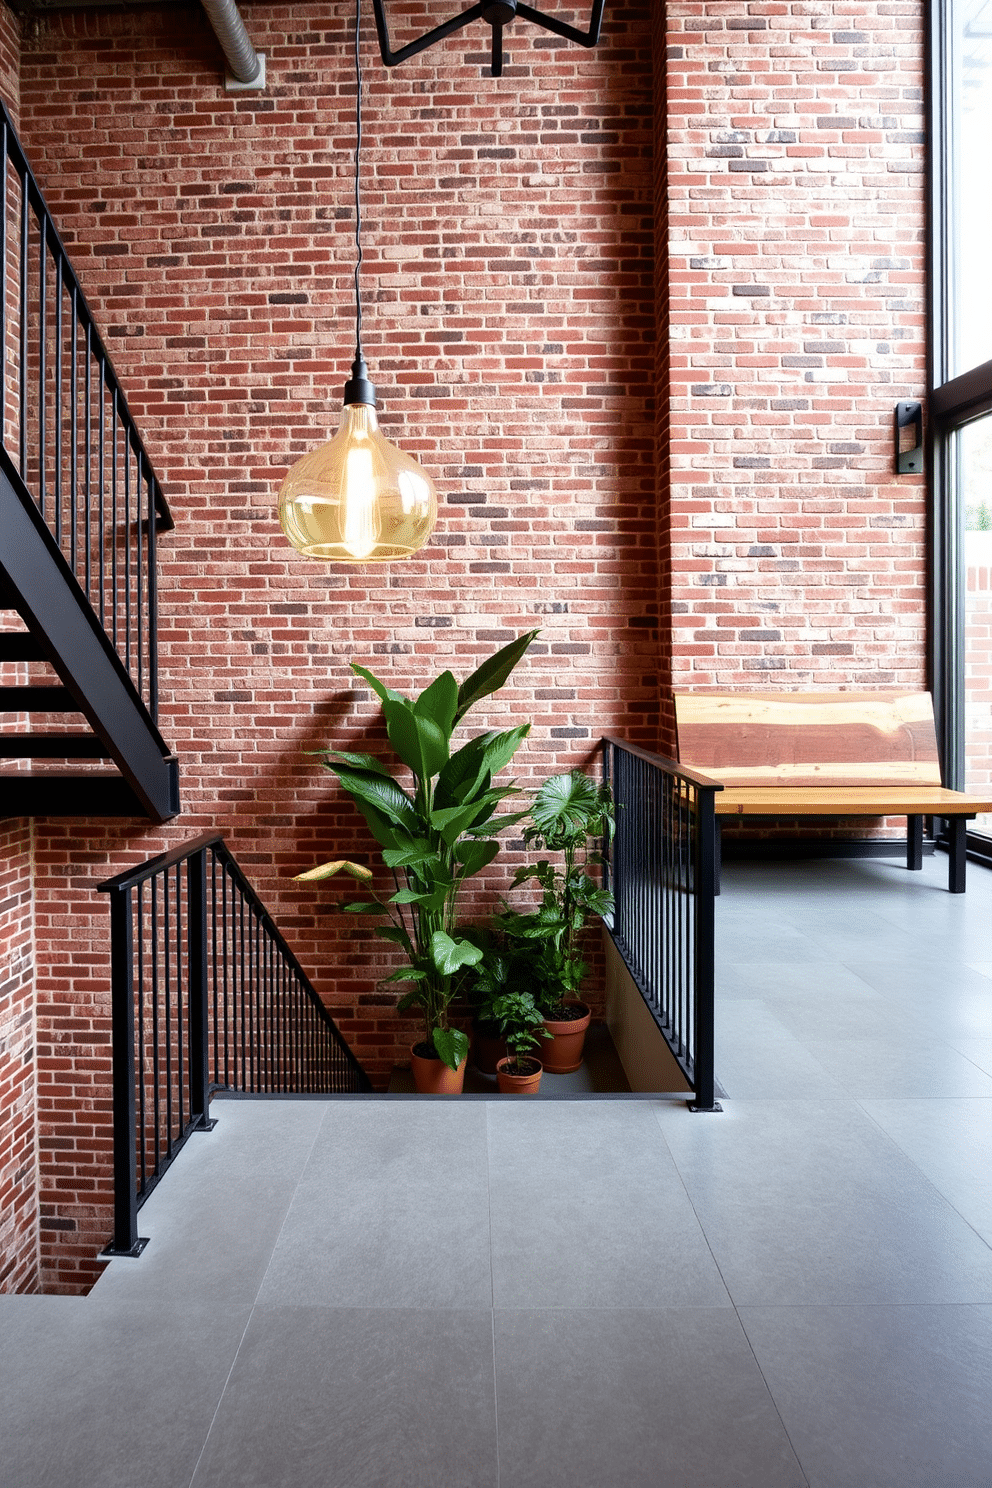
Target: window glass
x=974, y=464
x=972, y=175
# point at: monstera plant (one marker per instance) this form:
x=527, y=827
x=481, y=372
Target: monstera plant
x=436, y=828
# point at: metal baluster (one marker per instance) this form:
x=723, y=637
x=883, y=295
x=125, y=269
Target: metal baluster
x=42, y=363
x=181, y=1033
x=74, y=436
x=167, y=947
x=141, y=1035
x=113, y=509
x=57, y=401
x=155, y=1021
x=23, y=311
x=88, y=474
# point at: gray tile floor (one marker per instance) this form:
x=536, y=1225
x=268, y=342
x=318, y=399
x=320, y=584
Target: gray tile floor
x=569, y=1294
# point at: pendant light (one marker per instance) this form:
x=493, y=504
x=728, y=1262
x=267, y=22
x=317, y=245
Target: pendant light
x=358, y=499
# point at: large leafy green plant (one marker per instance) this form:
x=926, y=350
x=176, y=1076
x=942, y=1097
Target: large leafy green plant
x=569, y=815
x=435, y=833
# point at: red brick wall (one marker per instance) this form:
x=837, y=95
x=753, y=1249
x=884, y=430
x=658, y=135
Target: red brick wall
x=510, y=328
x=18, y=1149
x=797, y=307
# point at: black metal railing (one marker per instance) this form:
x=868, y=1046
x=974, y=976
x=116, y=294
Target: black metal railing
x=67, y=428
x=661, y=870
x=206, y=995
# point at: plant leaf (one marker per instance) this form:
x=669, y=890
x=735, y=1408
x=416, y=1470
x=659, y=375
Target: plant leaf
x=491, y=675
x=406, y=974
x=357, y=761
x=452, y=1045
x=396, y=935
x=383, y=794
x=438, y=703
x=380, y=689
x=418, y=741
x=502, y=747
x=475, y=855
x=328, y=870
x=417, y=855
x=448, y=955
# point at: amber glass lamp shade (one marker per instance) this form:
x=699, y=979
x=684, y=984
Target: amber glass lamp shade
x=358, y=499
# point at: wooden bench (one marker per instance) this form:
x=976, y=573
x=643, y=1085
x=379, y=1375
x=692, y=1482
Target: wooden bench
x=826, y=754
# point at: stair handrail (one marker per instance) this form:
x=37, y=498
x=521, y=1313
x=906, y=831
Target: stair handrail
x=216, y=1006
x=661, y=868
x=75, y=437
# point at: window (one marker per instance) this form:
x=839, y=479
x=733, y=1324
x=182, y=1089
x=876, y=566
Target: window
x=961, y=397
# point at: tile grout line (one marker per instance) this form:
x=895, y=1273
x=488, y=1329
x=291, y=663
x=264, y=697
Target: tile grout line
x=492, y=1286
x=251, y=1313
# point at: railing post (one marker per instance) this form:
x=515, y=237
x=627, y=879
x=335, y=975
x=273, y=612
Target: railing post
x=705, y=959
x=196, y=933
x=126, y=1241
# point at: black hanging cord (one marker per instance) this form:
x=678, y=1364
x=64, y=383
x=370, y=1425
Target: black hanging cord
x=358, y=193
x=358, y=389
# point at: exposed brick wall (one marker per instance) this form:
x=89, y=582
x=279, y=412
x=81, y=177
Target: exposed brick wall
x=18, y=1148
x=797, y=308
x=510, y=329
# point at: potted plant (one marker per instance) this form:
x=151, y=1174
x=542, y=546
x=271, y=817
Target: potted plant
x=522, y=1026
x=435, y=833
x=569, y=814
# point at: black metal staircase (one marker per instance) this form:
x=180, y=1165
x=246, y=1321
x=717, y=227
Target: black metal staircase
x=80, y=508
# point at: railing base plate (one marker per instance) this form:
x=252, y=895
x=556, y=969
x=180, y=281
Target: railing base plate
x=207, y=1124
x=716, y=1106
x=110, y=1251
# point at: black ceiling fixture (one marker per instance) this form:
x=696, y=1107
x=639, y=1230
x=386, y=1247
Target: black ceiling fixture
x=497, y=14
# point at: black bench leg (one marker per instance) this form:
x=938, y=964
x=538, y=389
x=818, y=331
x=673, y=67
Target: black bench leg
x=914, y=842
x=957, y=852
x=717, y=853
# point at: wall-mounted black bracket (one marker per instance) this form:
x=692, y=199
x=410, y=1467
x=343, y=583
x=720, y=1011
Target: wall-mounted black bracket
x=909, y=461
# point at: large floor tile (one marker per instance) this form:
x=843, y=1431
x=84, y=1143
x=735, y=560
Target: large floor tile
x=951, y=1142
x=891, y=1397
x=392, y=1211
x=635, y=1399
x=809, y=1202
x=357, y=1399
x=756, y=1055
x=887, y=1066
x=95, y=1396
x=588, y=1210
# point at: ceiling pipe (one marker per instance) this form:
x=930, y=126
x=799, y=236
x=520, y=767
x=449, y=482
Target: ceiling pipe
x=247, y=67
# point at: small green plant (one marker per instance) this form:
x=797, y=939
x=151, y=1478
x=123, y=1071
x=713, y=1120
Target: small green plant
x=521, y=1023
x=569, y=814
x=435, y=836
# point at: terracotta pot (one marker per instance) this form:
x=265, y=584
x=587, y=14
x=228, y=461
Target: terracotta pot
x=487, y=1051
x=562, y=1052
x=434, y=1077
x=510, y=1084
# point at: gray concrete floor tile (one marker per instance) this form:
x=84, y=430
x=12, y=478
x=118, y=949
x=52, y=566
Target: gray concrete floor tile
x=892, y=1397
x=756, y=1055
x=589, y=1211
x=889, y=1066
x=635, y=1399
x=392, y=1211
x=95, y=1396
x=357, y=1398
x=950, y=1141
x=806, y=1202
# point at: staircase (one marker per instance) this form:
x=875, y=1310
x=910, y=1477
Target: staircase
x=80, y=509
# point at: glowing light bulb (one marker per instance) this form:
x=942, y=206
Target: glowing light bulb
x=357, y=499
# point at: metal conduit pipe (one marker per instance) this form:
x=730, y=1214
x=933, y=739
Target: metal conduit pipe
x=245, y=63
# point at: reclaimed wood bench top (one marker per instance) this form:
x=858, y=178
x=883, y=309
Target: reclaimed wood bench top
x=818, y=753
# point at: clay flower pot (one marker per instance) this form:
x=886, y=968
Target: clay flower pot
x=487, y=1050
x=562, y=1052
x=513, y=1084
x=432, y=1076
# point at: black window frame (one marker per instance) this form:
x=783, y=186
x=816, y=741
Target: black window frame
x=952, y=403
